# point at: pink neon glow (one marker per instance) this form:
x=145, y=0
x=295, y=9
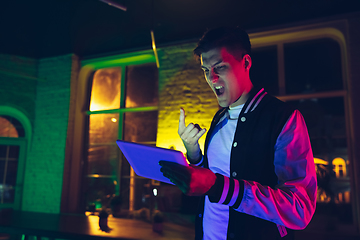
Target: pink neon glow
x=247, y=109
x=225, y=191
x=258, y=101
x=235, y=194
x=114, y=4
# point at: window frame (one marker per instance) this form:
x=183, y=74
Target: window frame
x=24, y=143
x=334, y=31
x=19, y=186
x=71, y=199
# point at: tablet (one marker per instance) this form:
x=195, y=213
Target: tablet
x=145, y=159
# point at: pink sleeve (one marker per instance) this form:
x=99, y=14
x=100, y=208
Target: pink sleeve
x=292, y=202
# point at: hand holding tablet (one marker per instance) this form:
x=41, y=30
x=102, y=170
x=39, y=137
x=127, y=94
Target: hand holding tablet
x=145, y=159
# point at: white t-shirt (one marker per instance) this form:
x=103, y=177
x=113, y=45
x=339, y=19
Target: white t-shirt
x=216, y=216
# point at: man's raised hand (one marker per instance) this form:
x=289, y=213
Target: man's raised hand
x=190, y=135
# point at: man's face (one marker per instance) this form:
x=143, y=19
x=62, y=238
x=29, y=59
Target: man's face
x=227, y=76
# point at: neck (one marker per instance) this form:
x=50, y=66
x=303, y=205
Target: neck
x=243, y=98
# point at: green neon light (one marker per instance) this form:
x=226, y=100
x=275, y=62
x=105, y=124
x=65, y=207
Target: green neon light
x=120, y=60
x=124, y=110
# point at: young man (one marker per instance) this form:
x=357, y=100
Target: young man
x=257, y=173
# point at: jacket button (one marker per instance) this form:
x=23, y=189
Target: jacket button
x=243, y=119
x=235, y=144
x=200, y=215
x=234, y=174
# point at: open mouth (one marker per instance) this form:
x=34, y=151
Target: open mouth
x=219, y=90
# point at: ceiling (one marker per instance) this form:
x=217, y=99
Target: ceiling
x=40, y=28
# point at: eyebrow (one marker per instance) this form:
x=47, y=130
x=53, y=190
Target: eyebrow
x=220, y=61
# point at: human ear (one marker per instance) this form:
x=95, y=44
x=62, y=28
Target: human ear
x=247, y=62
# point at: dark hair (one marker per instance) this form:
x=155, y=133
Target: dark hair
x=235, y=40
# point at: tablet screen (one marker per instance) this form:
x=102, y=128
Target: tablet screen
x=145, y=159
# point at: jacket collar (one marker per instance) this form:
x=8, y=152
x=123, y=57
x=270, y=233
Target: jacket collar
x=256, y=94
x=255, y=97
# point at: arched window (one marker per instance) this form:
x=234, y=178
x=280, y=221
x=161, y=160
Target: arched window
x=13, y=146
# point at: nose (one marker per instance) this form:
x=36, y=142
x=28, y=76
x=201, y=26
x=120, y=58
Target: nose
x=213, y=77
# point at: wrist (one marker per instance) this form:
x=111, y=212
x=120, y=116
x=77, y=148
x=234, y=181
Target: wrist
x=227, y=191
x=216, y=190
x=194, y=158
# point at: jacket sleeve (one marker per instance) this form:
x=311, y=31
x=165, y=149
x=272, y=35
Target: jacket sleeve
x=292, y=202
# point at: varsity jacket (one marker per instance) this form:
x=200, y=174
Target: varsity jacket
x=272, y=186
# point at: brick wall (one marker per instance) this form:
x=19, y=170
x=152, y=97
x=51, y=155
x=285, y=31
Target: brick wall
x=18, y=80
x=45, y=161
x=182, y=84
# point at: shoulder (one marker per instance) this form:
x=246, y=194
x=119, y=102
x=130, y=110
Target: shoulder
x=264, y=102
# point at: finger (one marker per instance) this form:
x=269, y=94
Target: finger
x=192, y=134
x=197, y=126
x=181, y=121
x=163, y=162
x=181, y=172
x=184, y=187
x=200, y=134
x=169, y=164
x=187, y=131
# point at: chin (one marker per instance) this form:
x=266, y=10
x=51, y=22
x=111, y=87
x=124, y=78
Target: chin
x=224, y=105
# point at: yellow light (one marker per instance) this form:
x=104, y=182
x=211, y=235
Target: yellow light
x=105, y=92
x=339, y=164
x=320, y=161
x=114, y=120
x=154, y=48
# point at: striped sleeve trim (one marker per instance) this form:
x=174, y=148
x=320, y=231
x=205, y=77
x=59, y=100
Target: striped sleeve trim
x=227, y=191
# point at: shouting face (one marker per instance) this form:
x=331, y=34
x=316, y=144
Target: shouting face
x=227, y=76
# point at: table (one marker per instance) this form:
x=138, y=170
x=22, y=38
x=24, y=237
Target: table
x=71, y=226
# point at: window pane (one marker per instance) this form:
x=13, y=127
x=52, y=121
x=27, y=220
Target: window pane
x=103, y=151
x=264, y=69
x=10, y=127
x=103, y=128
x=313, y=66
x=98, y=190
x=8, y=172
x=11, y=173
x=140, y=126
x=7, y=193
x=3, y=152
x=14, y=152
x=12, y=165
x=105, y=91
x=325, y=119
x=103, y=159
x=142, y=193
x=142, y=85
